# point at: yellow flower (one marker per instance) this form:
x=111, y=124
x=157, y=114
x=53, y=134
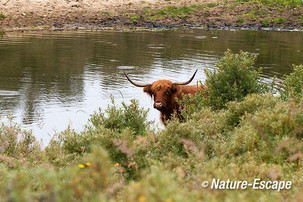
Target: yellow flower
x=141, y=198
x=81, y=166
x=117, y=164
x=88, y=164
x=169, y=200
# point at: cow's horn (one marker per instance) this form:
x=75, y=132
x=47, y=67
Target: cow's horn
x=186, y=82
x=135, y=84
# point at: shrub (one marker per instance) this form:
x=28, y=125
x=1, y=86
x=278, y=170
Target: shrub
x=70, y=146
x=92, y=175
x=259, y=137
x=234, y=79
x=292, y=86
x=157, y=185
x=202, y=129
x=236, y=111
x=195, y=106
x=18, y=147
x=119, y=118
x=192, y=103
x=116, y=130
x=88, y=180
x=268, y=133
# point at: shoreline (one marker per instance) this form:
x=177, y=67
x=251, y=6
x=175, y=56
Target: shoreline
x=162, y=28
x=43, y=15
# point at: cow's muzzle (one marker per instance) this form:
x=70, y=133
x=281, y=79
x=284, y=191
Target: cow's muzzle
x=159, y=105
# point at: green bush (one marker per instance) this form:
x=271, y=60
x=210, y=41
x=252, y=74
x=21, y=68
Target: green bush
x=93, y=174
x=116, y=130
x=18, y=147
x=234, y=79
x=258, y=124
x=265, y=131
x=213, y=128
x=292, y=87
x=119, y=118
x=69, y=146
x=88, y=180
x=259, y=137
x=157, y=185
x=192, y=103
x=237, y=111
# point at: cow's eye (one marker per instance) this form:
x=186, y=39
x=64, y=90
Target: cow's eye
x=167, y=93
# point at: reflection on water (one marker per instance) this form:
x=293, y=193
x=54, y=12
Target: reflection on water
x=50, y=80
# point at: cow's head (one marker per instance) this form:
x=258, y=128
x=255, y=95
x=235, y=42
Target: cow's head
x=163, y=91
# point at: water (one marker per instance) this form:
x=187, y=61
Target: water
x=49, y=80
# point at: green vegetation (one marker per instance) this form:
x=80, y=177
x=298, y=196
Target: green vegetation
x=123, y=12
x=251, y=12
x=106, y=12
x=267, y=11
x=135, y=18
x=240, y=19
x=279, y=20
x=2, y=16
x=236, y=129
x=293, y=84
x=173, y=11
x=198, y=6
x=278, y=3
x=266, y=21
x=170, y=11
x=167, y=12
x=234, y=79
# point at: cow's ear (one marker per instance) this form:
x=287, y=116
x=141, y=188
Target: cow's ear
x=147, y=89
x=175, y=88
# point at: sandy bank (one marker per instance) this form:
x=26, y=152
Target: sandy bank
x=98, y=14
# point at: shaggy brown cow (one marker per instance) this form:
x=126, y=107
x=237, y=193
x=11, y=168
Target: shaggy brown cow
x=165, y=92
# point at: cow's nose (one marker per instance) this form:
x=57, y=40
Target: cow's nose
x=158, y=105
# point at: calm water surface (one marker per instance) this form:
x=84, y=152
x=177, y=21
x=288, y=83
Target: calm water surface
x=50, y=80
